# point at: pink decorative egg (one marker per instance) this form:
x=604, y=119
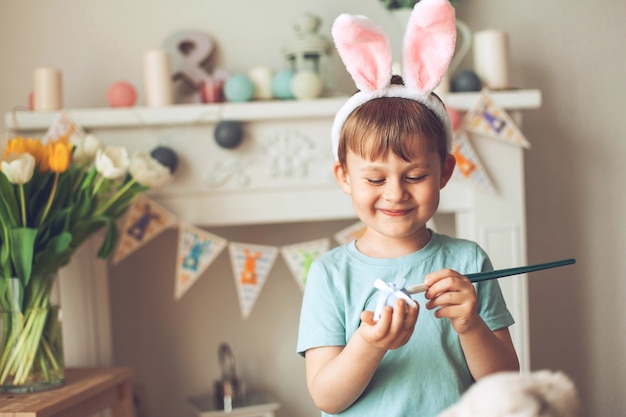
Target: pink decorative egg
x=121, y=94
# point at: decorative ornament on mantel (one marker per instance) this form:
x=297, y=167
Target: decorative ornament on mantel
x=308, y=55
x=228, y=134
x=121, y=94
x=55, y=193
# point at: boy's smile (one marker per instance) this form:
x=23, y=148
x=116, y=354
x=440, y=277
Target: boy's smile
x=394, y=198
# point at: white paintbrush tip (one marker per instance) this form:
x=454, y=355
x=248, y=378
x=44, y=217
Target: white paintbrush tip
x=415, y=289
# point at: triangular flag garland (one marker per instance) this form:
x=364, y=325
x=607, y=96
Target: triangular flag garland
x=143, y=220
x=61, y=125
x=300, y=256
x=197, y=249
x=485, y=118
x=350, y=233
x=468, y=166
x=251, y=264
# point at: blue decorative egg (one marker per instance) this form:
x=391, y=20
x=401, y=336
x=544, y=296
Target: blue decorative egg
x=281, y=84
x=238, y=87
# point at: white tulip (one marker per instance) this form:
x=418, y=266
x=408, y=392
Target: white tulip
x=148, y=171
x=19, y=168
x=85, y=147
x=112, y=162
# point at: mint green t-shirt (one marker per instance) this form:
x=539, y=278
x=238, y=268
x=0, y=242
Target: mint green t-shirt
x=427, y=374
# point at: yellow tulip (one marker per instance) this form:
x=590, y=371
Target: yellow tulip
x=36, y=149
x=17, y=145
x=59, y=155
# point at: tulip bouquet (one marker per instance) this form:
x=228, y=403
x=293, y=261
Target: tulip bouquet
x=55, y=194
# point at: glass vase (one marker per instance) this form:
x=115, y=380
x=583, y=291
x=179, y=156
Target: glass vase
x=31, y=343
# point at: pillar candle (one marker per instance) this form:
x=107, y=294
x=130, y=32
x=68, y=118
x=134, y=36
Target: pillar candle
x=48, y=89
x=157, y=74
x=491, y=58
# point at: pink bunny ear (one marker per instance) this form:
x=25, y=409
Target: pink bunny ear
x=428, y=44
x=364, y=50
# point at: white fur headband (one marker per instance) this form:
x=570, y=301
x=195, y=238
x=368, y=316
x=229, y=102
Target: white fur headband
x=427, y=50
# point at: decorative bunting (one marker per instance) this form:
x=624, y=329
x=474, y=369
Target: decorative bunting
x=251, y=264
x=468, y=165
x=487, y=119
x=62, y=125
x=197, y=249
x=300, y=256
x=350, y=233
x=143, y=220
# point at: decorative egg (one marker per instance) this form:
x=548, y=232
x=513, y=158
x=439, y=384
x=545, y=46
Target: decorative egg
x=228, y=134
x=121, y=94
x=281, y=84
x=262, y=79
x=465, y=80
x=238, y=87
x=306, y=85
x=166, y=157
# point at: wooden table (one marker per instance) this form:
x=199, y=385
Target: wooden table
x=86, y=392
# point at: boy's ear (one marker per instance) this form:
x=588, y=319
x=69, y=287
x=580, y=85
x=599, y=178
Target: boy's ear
x=342, y=177
x=447, y=169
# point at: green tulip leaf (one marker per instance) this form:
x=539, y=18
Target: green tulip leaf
x=110, y=239
x=9, y=211
x=22, y=241
x=57, y=253
x=88, y=180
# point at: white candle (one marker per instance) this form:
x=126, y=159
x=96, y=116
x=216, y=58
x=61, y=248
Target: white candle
x=491, y=58
x=48, y=89
x=157, y=74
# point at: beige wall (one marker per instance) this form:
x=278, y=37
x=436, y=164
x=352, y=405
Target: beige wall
x=572, y=51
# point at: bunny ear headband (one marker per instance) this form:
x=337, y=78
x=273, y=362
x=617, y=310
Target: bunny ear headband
x=364, y=48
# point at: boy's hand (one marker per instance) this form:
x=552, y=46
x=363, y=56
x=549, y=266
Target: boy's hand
x=455, y=297
x=393, y=329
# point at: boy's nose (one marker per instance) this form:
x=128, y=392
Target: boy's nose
x=394, y=191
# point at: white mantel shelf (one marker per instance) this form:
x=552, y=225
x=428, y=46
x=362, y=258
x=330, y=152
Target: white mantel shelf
x=199, y=114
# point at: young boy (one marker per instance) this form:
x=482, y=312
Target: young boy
x=392, y=142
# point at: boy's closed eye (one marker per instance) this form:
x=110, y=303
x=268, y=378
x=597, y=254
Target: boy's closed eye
x=376, y=181
x=416, y=178
x=409, y=179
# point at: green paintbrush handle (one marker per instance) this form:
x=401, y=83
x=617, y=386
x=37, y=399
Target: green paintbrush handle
x=500, y=273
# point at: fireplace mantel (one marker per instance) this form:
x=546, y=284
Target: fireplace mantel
x=281, y=172
x=194, y=114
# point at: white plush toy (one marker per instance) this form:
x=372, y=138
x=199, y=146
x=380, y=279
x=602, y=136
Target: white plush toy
x=511, y=394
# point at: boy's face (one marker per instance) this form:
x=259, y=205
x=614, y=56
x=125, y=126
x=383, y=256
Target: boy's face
x=393, y=197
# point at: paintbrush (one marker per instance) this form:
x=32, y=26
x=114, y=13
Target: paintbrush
x=500, y=273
